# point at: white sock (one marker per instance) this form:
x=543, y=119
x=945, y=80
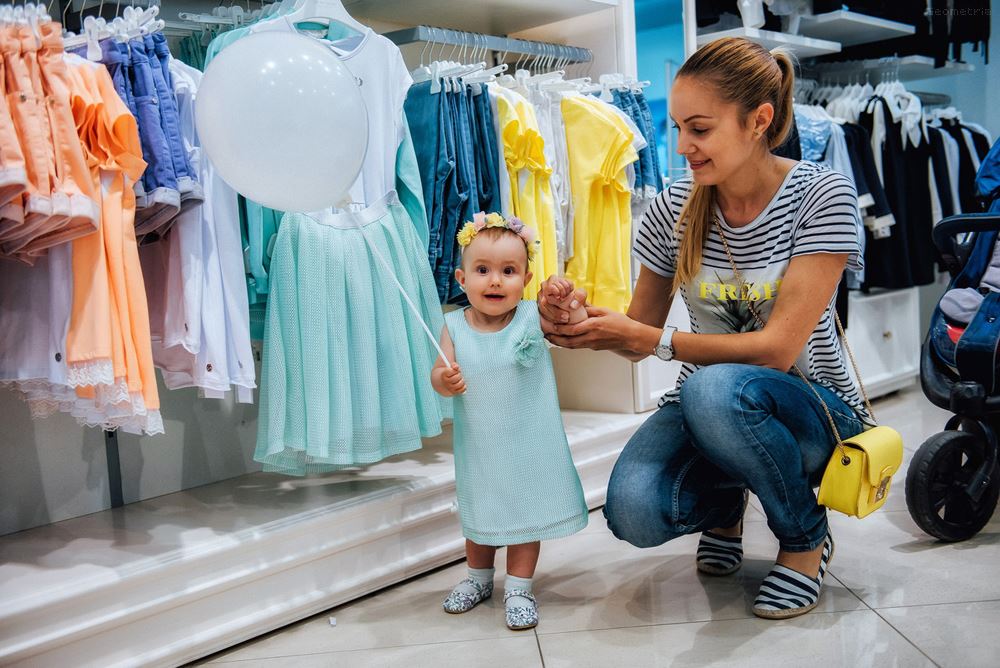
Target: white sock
x=482, y=576
x=513, y=582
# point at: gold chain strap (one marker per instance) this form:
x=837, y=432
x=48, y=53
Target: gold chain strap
x=795, y=367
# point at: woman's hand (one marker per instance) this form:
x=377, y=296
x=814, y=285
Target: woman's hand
x=557, y=300
x=603, y=329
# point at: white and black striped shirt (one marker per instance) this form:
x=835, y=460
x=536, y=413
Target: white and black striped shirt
x=814, y=211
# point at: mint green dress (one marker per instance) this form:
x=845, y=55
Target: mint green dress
x=513, y=468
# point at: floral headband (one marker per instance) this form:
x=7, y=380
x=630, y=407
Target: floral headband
x=481, y=221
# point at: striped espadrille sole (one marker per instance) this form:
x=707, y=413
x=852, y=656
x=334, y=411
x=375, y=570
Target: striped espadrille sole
x=787, y=593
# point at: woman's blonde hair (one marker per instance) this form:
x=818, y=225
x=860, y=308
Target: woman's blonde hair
x=746, y=74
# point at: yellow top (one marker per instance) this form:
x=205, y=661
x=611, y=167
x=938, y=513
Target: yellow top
x=531, y=191
x=599, y=144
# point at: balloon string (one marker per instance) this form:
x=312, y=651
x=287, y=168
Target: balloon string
x=388, y=268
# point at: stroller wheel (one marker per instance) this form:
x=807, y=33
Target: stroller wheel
x=936, y=482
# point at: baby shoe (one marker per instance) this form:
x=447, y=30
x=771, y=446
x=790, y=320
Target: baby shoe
x=466, y=595
x=521, y=617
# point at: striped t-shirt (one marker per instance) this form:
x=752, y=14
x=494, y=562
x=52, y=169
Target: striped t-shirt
x=814, y=211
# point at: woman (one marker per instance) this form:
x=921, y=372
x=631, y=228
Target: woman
x=739, y=418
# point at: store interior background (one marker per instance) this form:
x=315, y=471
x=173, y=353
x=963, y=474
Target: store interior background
x=660, y=50
x=55, y=470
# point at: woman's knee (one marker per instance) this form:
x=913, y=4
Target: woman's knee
x=634, y=511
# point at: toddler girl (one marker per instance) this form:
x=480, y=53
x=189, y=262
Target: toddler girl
x=515, y=477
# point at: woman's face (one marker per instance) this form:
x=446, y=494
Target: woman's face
x=715, y=136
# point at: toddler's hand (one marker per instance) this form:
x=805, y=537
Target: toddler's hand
x=453, y=380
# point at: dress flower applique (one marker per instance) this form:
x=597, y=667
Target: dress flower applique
x=530, y=348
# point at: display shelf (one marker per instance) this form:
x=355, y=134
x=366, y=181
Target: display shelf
x=803, y=47
x=850, y=28
x=493, y=17
x=175, y=578
x=907, y=68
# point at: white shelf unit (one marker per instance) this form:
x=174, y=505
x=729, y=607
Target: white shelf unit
x=884, y=333
x=803, y=47
x=850, y=28
x=492, y=17
x=908, y=68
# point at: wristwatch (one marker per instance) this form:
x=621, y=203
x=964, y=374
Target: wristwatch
x=665, y=349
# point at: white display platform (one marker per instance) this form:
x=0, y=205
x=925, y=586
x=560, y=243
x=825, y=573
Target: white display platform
x=181, y=576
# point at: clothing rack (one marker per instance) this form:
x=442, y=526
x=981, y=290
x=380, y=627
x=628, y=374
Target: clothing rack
x=571, y=54
x=932, y=99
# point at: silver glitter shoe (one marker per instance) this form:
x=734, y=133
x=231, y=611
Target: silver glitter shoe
x=522, y=616
x=466, y=595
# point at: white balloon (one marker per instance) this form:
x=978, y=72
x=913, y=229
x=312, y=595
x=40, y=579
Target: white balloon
x=283, y=121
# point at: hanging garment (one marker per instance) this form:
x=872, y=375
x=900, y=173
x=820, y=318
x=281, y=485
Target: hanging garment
x=600, y=148
x=345, y=379
x=652, y=178
x=531, y=190
x=31, y=123
x=87, y=352
x=75, y=211
x=514, y=473
x=377, y=64
x=906, y=257
x=195, y=280
x=941, y=195
x=462, y=195
x=548, y=111
x=314, y=375
x=792, y=148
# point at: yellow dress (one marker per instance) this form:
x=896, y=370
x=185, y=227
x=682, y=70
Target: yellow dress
x=530, y=187
x=599, y=144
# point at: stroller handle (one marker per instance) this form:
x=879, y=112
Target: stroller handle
x=944, y=232
x=954, y=252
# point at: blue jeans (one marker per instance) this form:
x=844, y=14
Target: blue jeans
x=467, y=180
x=649, y=130
x=736, y=426
x=155, y=150
x=486, y=154
x=427, y=118
x=159, y=56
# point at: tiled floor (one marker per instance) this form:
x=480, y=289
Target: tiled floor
x=895, y=598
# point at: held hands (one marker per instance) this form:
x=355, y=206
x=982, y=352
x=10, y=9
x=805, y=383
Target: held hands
x=559, y=303
x=568, y=322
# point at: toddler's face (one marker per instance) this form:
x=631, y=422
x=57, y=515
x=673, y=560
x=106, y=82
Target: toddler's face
x=494, y=272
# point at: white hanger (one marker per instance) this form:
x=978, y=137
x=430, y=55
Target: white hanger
x=486, y=75
x=332, y=10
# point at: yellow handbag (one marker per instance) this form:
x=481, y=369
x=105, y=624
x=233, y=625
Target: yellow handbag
x=858, y=476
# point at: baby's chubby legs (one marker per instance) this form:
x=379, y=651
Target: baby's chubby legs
x=521, y=559
x=519, y=603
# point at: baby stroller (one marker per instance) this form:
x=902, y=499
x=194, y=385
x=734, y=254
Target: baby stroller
x=953, y=481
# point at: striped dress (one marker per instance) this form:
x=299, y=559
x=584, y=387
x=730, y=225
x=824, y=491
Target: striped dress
x=814, y=211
